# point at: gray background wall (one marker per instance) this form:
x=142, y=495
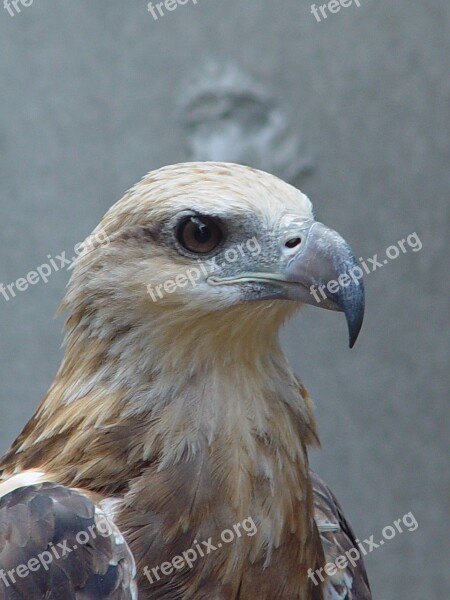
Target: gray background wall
x=90, y=102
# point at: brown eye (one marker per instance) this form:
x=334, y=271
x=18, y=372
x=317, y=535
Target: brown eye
x=199, y=234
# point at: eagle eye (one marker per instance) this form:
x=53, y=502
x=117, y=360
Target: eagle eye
x=199, y=234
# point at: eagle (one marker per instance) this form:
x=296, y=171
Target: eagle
x=169, y=458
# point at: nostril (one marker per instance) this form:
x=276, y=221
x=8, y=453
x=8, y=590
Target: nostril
x=293, y=242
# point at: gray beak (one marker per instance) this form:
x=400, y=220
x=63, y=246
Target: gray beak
x=315, y=265
x=326, y=273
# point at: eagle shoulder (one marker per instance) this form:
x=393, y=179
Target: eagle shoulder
x=56, y=542
x=349, y=582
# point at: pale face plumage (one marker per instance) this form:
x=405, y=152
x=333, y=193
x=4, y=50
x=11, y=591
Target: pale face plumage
x=268, y=248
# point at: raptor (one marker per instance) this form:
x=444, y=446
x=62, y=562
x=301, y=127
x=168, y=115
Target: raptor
x=174, y=418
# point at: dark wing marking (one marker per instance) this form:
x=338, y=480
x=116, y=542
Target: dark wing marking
x=349, y=583
x=43, y=555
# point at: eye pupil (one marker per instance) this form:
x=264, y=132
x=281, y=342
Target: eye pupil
x=199, y=234
x=202, y=234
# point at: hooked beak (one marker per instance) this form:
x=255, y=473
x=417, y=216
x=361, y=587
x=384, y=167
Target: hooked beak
x=327, y=275
x=316, y=266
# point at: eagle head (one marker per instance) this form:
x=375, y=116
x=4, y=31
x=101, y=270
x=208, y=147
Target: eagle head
x=201, y=247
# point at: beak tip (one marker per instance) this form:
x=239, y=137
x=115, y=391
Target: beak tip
x=354, y=322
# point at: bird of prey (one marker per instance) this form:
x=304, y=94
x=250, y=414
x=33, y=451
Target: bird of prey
x=168, y=459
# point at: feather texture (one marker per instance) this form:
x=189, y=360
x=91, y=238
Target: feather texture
x=178, y=419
